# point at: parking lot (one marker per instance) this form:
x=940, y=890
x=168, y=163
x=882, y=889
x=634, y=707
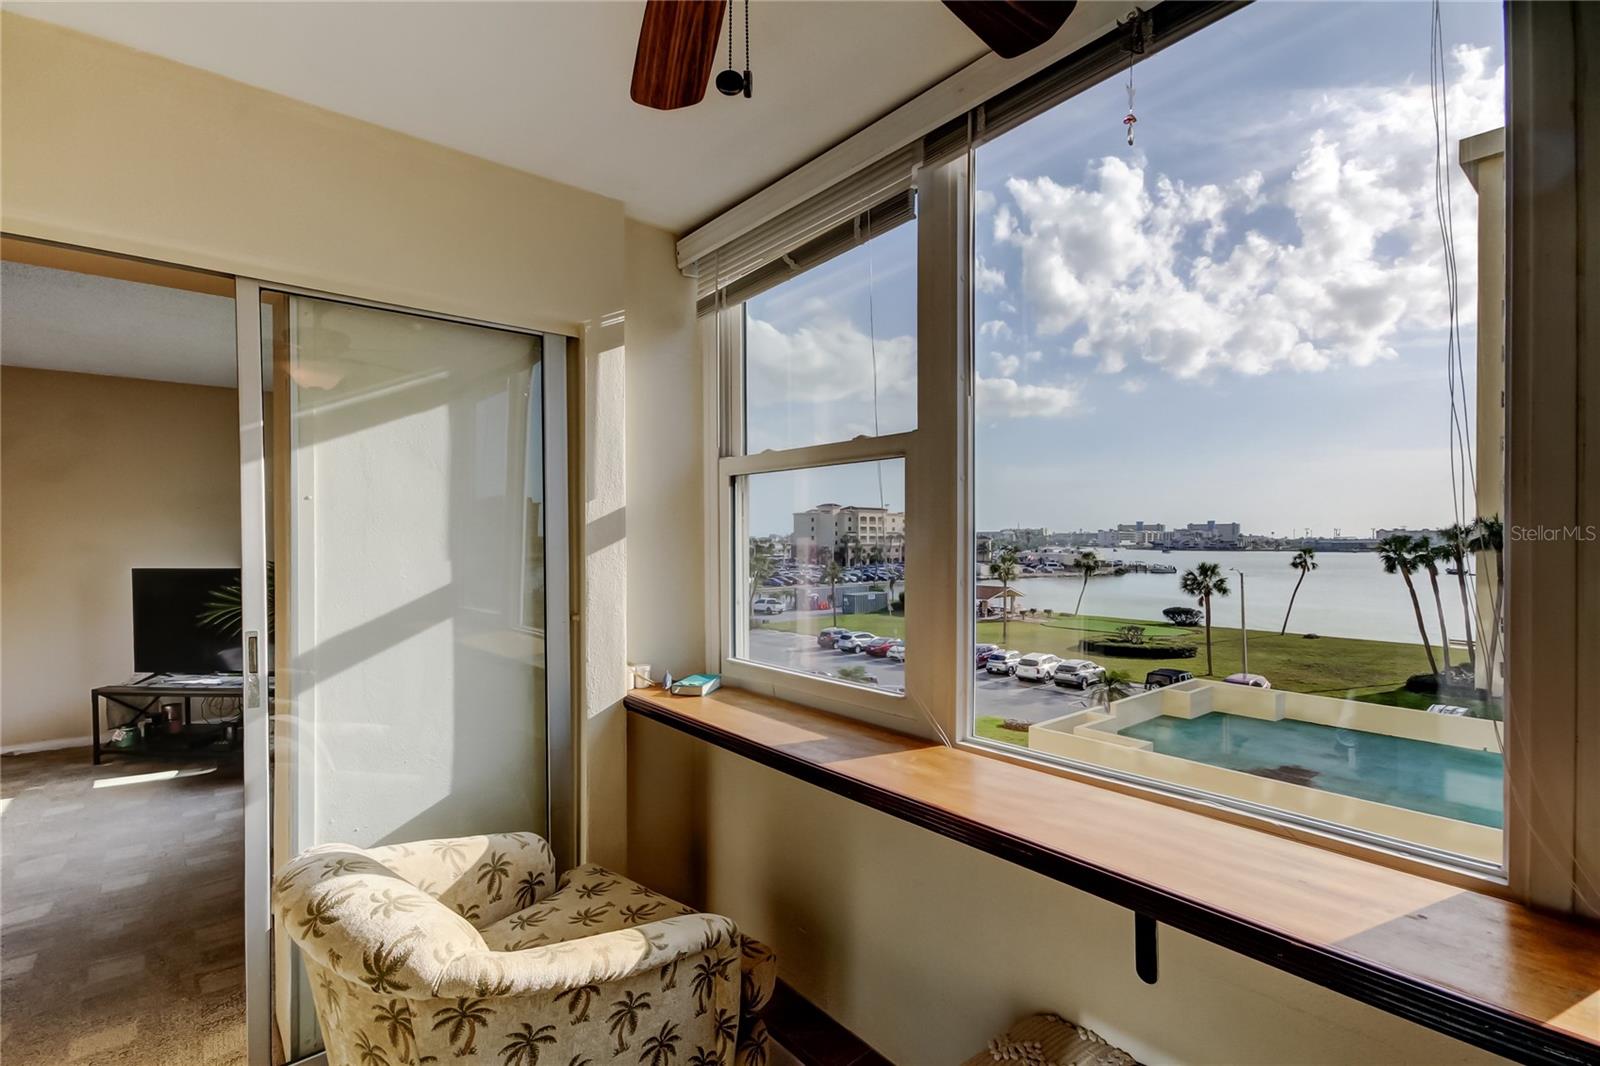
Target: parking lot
x=1007, y=697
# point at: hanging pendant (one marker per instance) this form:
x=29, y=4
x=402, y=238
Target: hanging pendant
x=1128, y=122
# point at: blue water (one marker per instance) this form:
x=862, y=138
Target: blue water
x=1419, y=776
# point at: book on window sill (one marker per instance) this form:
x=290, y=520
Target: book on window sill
x=696, y=685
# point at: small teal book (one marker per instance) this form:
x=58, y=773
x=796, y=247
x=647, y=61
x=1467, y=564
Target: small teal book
x=696, y=685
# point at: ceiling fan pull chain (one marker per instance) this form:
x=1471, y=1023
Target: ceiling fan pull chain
x=730, y=82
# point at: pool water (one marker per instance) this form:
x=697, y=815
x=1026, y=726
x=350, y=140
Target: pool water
x=1414, y=774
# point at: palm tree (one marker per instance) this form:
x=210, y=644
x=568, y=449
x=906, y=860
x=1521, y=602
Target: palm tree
x=493, y=872
x=761, y=566
x=523, y=1047
x=1114, y=686
x=1088, y=562
x=1203, y=582
x=624, y=1017
x=661, y=1049
x=1003, y=568
x=463, y=1020
x=1399, y=557
x=1428, y=557
x=578, y=1003
x=371, y=1054
x=1305, y=561
x=1457, y=542
x=1488, y=535
x=398, y=1017
x=831, y=574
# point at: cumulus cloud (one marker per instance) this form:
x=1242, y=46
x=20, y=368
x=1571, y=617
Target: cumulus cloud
x=1132, y=267
x=828, y=360
x=1005, y=397
x=996, y=329
x=988, y=278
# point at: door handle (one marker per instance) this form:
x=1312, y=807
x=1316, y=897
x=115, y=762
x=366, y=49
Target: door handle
x=252, y=669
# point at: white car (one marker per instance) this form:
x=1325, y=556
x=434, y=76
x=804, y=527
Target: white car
x=1001, y=661
x=897, y=652
x=1078, y=673
x=853, y=642
x=1037, y=666
x=767, y=605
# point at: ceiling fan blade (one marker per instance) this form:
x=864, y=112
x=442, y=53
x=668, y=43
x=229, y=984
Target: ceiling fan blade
x=677, y=49
x=1012, y=27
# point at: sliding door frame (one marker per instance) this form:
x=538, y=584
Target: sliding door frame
x=561, y=800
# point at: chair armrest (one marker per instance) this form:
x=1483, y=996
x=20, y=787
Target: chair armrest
x=599, y=959
x=482, y=878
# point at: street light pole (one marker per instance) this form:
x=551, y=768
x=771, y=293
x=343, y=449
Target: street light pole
x=1244, y=634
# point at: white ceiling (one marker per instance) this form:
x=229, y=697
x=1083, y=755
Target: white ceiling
x=544, y=86
x=61, y=320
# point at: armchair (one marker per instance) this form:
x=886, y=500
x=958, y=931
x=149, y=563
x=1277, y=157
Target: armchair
x=473, y=948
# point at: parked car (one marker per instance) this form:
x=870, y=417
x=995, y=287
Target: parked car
x=1002, y=662
x=880, y=647
x=767, y=605
x=897, y=651
x=1163, y=676
x=851, y=643
x=983, y=654
x=827, y=636
x=1078, y=673
x=1248, y=680
x=1037, y=666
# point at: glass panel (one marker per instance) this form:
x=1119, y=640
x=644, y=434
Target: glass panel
x=832, y=354
x=408, y=574
x=825, y=571
x=1244, y=377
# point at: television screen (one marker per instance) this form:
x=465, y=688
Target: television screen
x=171, y=633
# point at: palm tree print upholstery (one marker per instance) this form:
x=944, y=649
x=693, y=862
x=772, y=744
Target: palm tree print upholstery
x=473, y=949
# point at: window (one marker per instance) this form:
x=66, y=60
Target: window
x=822, y=375
x=1197, y=443
x=1238, y=426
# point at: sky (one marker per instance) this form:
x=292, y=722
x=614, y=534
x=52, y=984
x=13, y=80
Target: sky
x=1242, y=317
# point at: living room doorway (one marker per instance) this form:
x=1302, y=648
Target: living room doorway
x=121, y=822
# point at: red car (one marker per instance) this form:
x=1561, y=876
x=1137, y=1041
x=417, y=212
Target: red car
x=880, y=647
x=983, y=653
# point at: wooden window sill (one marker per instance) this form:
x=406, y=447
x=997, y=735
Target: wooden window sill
x=1485, y=970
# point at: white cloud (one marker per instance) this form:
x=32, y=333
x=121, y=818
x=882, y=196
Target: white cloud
x=982, y=201
x=995, y=328
x=1006, y=365
x=1005, y=397
x=988, y=278
x=1134, y=386
x=826, y=361
x=1134, y=267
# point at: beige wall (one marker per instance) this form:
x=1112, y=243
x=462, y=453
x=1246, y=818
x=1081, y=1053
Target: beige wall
x=926, y=947
x=99, y=475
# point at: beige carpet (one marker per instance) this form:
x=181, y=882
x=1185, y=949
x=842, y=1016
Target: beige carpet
x=121, y=922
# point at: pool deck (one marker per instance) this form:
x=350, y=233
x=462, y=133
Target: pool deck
x=1425, y=778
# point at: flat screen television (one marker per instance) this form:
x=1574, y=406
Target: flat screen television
x=168, y=635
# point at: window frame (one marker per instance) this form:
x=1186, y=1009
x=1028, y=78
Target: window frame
x=938, y=702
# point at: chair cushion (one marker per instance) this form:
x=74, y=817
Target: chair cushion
x=591, y=899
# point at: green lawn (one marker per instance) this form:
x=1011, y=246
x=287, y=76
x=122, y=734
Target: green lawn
x=1373, y=670
x=991, y=727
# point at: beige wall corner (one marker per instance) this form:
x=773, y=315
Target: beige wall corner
x=102, y=475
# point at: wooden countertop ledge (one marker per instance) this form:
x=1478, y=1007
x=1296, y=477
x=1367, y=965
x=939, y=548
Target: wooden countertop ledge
x=1496, y=974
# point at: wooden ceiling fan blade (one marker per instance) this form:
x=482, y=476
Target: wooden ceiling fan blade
x=677, y=49
x=1012, y=27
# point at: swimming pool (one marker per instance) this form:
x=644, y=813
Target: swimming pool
x=1432, y=778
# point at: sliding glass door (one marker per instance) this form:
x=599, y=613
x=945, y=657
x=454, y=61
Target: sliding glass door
x=412, y=553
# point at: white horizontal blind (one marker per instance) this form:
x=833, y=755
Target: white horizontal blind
x=717, y=268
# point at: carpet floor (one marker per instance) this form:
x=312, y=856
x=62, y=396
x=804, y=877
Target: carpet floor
x=121, y=911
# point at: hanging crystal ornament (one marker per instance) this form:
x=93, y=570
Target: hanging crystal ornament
x=1131, y=118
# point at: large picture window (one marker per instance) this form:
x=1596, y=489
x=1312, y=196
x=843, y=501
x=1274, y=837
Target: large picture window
x=1238, y=487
